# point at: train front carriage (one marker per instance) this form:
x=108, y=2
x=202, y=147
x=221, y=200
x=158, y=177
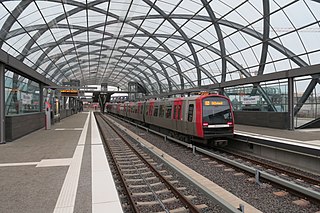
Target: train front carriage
x=214, y=118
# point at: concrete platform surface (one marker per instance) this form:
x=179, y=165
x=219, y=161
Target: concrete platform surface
x=54, y=171
x=299, y=136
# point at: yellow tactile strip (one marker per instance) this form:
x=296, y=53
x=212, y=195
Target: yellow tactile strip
x=196, y=177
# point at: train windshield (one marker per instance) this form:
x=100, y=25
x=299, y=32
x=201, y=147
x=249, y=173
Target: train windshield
x=216, y=110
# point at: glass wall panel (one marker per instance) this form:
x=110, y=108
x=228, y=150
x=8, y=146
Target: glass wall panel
x=310, y=110
x=21, y=94
x=249, y=98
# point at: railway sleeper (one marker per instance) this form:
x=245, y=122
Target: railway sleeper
x=124, y=155
x=128, y=162
x=151, y=203
x=177, y=210
x=130, y=165
x=135, y=174
x=137, y=180
x=134, y=169
x=120, y=151
x=150, y=193
x=145, y=186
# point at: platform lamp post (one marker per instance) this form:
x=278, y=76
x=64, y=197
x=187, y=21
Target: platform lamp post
x=2, y=105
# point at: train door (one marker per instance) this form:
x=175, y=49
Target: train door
x=177, y=114
x=143, y=112
x=149, y=113
x=190, y=121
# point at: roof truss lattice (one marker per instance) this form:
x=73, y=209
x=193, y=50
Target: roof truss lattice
x=164, y=45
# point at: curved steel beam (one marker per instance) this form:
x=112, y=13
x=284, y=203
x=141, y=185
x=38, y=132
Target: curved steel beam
x=130, y=76
x=161, y=63
x=76, y=10
x=182, y=33
x=102, y=62
x=220, y=39
x=253, y=33
x=62, y=40
x=93, y=43
x=264, y=53
x=283, y=50
x=11, y=19
x=248, y=31
x=160, y=44
x=265, y=38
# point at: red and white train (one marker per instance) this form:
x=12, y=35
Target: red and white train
x=205, y=119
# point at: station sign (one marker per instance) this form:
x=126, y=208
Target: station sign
x=251, y=99
x=69, y=92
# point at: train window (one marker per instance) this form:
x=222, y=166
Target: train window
x=155, y=113
x=161, y=113
x=216, y=110
x=190, y=112
x=168, y=112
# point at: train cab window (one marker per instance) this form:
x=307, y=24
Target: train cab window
x=216, y=110
x=190, y=112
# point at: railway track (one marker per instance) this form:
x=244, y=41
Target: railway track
x=302, y=187
x=147, y=187
x=262, y=164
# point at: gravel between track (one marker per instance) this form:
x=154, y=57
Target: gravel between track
x=260, y=196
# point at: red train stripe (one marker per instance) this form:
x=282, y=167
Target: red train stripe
x=199, y=117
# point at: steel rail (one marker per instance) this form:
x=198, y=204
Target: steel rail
x=272, y=178
x=191, y=207
x=104, y=137
x=269, y=166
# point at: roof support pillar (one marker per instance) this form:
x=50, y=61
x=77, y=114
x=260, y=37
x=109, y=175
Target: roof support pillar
x=2, y=105
x=41, y=97
x=290, y=103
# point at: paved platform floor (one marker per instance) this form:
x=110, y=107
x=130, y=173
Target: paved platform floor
x=59, y=170
x=298, y=136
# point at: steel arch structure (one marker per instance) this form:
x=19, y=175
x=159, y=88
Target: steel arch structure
x=167, y=45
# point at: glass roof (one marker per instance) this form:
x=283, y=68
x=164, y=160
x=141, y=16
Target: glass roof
x=164, y=45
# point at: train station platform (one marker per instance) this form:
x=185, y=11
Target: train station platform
x=59, y=170
x=300, y=137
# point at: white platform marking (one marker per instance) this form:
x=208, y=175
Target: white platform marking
x=308, y=130
x=307, y=144
x=19, y=164
x=69, y=129
x=54, y=162
x=42, y=163
x=104, y=194
x=67, y=197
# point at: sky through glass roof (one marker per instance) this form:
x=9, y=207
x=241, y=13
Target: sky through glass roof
x=164, y=45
